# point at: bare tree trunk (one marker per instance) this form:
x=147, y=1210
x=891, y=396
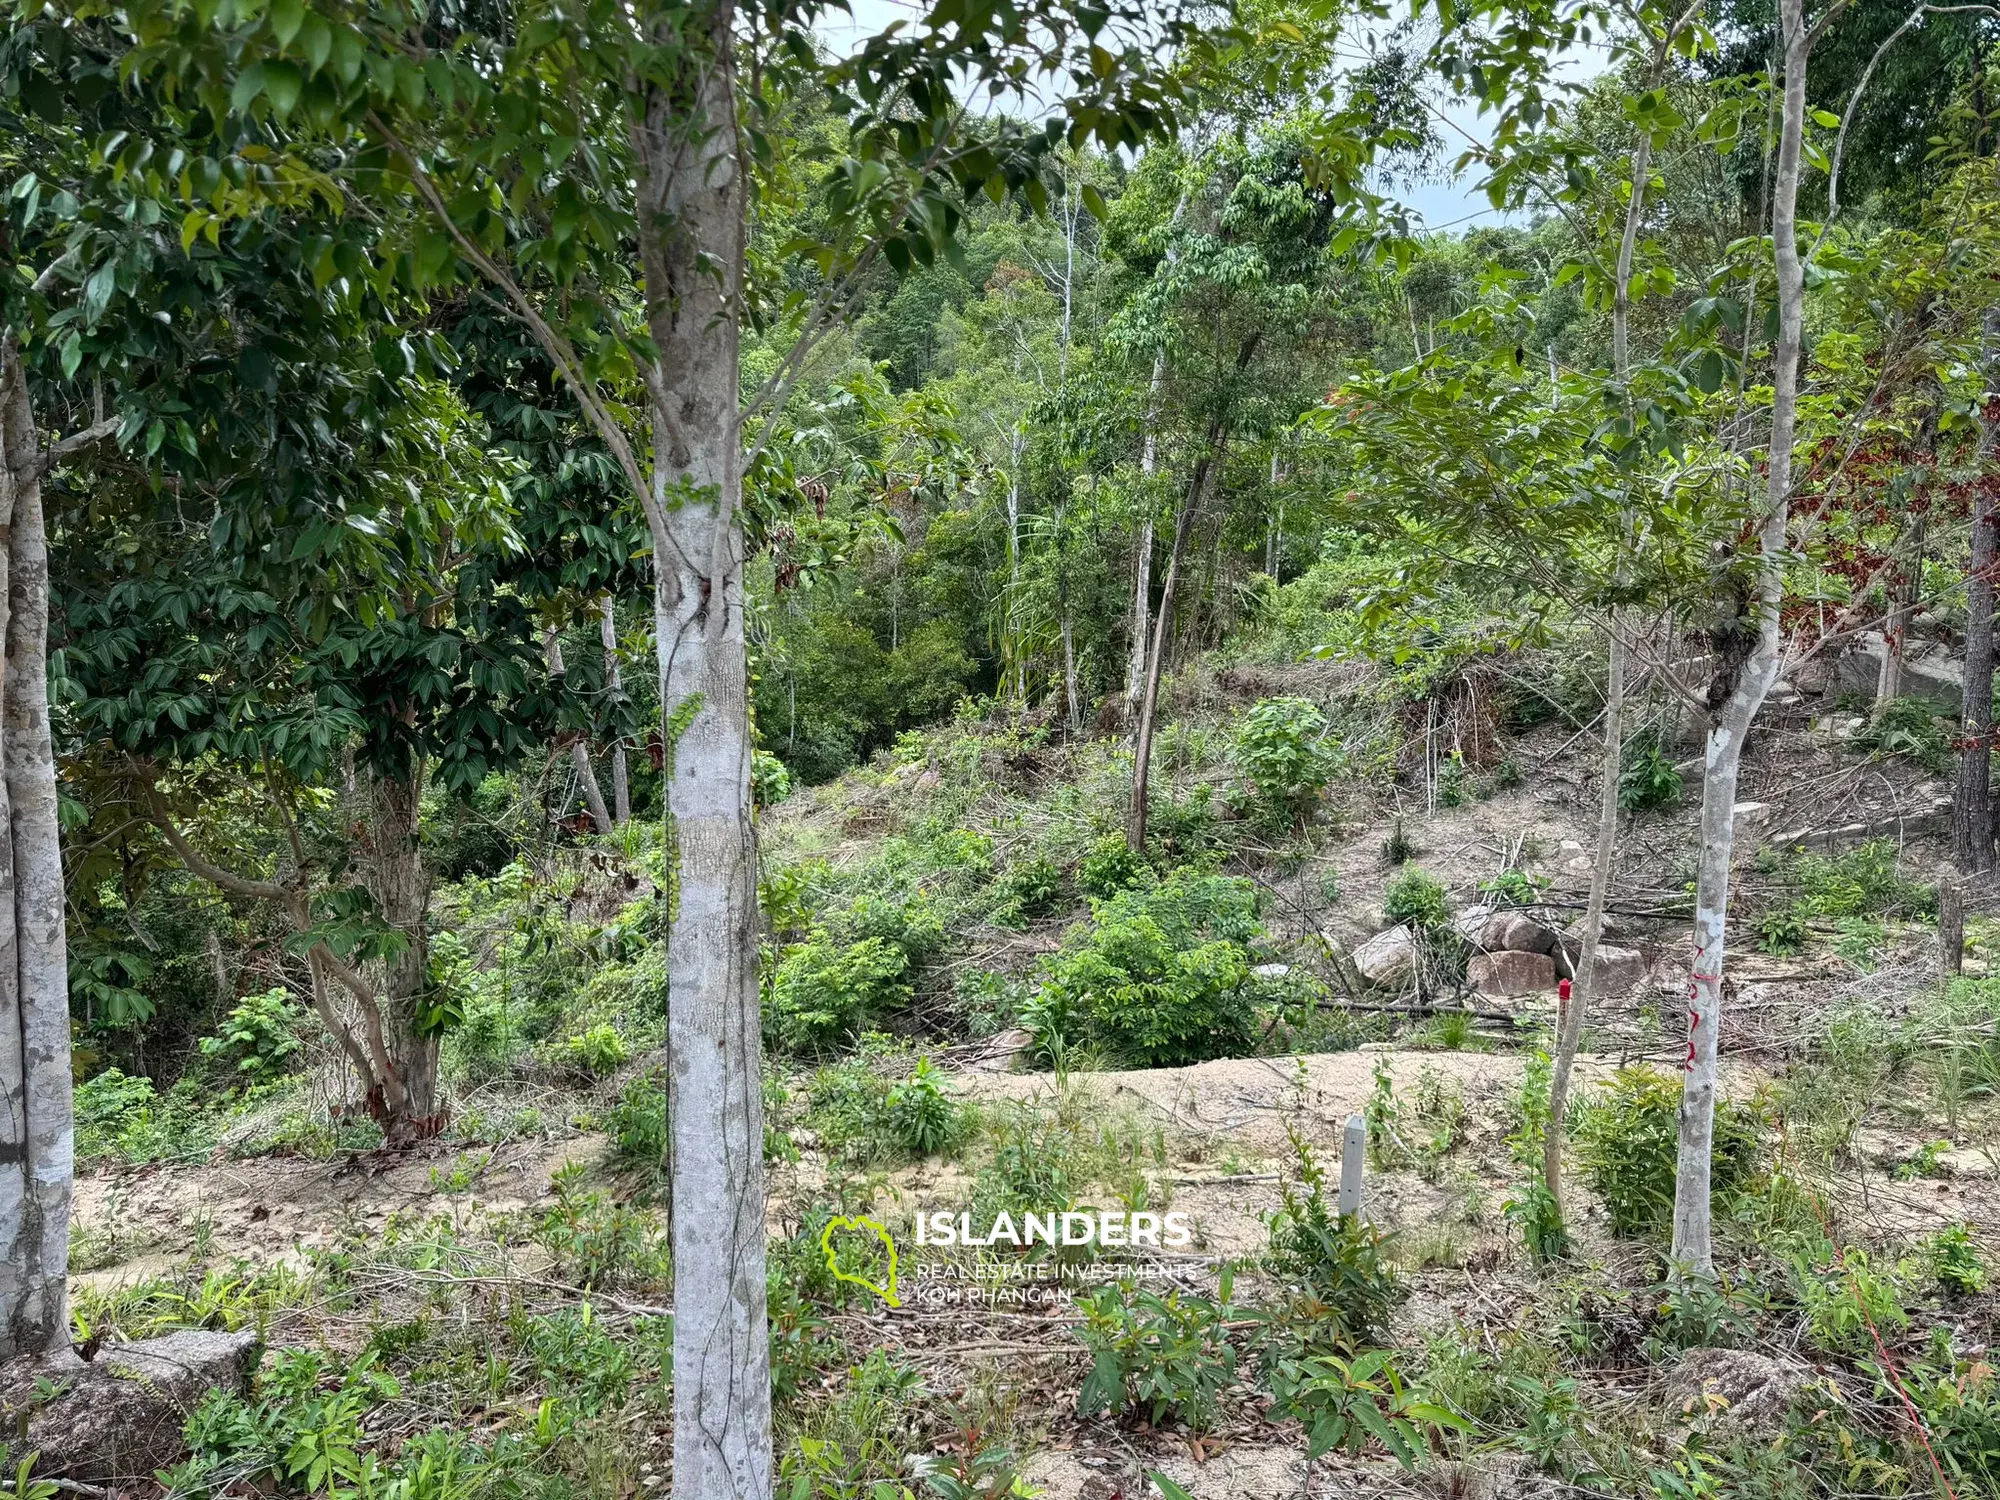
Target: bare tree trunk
x=1142, y=549
x=579, y=750
x=1972, y=807
x=1902, y=609
x=1014, y=647
x=690, y=203
x=614, y=679
x=402, y=893
x=1570, y=1032
x=1142, y=751
x=36, y=1132
x=1611, y=762
x=1693, y=1251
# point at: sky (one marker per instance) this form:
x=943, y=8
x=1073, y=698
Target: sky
x=1443, y=205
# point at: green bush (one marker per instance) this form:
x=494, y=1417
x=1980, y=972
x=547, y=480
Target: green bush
x=597, y=1051
x=1647, y=780
x=1160, y=977
x=1169, y=1355
x=1032, y=888
x=259, y=1036
x=921, y=1114
x=1282, y=752
x=1956, y=1261
x=1335, y=1258
x=770, y=780
x=1781, y=933
x=1416, y=897
x=1908, y=727
x=639, y=1126
x=1111, y=866
x=854, y=965
x=1629, y=1137
x=1863, y=882
x=825, y=992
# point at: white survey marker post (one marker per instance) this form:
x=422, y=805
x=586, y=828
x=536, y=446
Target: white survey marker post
x=1353, y=1149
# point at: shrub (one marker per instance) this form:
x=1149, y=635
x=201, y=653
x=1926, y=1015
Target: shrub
x=1647, y=780
x=1781, y=933
x=1169, y=1354
x=639, y=1125
x=921, y=1113
x=1862, y=882
x=1335, y=1258
x=597, y=1051
x=1345, y=1404
x=1030, y=889
x=1160, y=976
x=1628, y=1140
x=770, y=781
x=1908, y=727
x=824, y=992
x=1416, y=897
x=1956, y=1261
x=850, y=968
x=1111, y=866
x=259, y=1036
x=1282, y=752
x=1848, y=1299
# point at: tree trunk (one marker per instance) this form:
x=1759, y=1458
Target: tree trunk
x=690, y=202
x=614, y=679
x=1014, y=650
x=1142, y=749
x=579, y=750
x=36, y=1134
x=1570, y=1031
x=1972, y=807
x=1902, y=609
x=402, y=894
x=1693, y=1252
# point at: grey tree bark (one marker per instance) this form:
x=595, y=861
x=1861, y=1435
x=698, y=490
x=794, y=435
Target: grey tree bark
x=36, y=1130
x=401, y=887
x=579, y=750
x=690, y=201
x=1693, y=1251
x=614, y=678
x=1142, y=549
x=1972, y=805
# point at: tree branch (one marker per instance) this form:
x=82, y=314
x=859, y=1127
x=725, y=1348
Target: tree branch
x=197, y=864
x=95, y=432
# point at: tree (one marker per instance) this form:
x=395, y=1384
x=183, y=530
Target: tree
x=464, y=121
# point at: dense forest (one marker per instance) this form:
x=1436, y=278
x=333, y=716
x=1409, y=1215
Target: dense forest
x=756, y=753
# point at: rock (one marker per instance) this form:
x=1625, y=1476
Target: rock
x=1936, y=679
x=1509, y=973
x=1388, y=958
x=1472, y=925
x=1517, y=932
x=1616, y=927
x=1617, y=970
x=1736, y=1388
x=1271, y=971
x=119, y=1416
x=1003, y=1051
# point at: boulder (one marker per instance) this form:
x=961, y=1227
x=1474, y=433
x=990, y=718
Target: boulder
x=119, y=1416
x=1511, y=973
x=1937, y=679
x=1388, y=958
x=1517, y=932
x=1472, y=925
x=1616, y=971
x=1737, y=1389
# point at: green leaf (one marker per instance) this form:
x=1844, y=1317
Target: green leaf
x=249, y=84
x=282, y=82
x=1167, y=1487
x=286, y=16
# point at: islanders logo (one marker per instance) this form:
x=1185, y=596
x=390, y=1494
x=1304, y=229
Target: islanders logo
x=860, y=1224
